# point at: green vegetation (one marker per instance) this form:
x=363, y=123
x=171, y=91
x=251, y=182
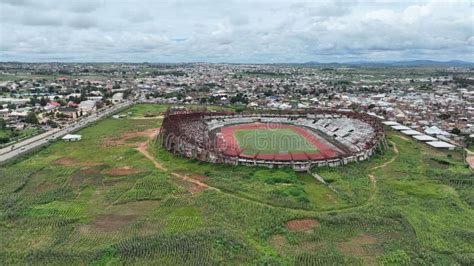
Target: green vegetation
x=150, y=110
x=101, y=201
x=11, y=135
x=272, y=141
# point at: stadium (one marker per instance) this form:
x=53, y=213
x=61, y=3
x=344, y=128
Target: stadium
x=297, y=139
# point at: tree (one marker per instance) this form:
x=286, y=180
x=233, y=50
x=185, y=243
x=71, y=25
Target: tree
x=456, y=131
x=11, y=106
x=4, y=140
x=43, y=101
x=52, y=124
x=371, y=106
x=31, y=118
x=240, y=108
x=3, y=123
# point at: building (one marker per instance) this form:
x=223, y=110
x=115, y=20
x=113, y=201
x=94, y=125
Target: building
x=70, y=137
x=117, y=98
x=87, y=107
x=67, y=112
x=4, y=113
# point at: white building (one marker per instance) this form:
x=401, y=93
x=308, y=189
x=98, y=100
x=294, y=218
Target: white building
x=87, y=107
x=117, y=98
x=70, y=137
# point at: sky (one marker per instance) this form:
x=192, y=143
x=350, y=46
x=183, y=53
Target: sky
x=235, y=31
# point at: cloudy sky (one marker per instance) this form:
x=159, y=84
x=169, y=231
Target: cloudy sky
x=264, y=31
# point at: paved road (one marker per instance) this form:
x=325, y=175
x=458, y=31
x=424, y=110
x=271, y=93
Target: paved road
x=42, y=139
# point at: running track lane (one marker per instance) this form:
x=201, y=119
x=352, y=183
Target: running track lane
x=229, y=145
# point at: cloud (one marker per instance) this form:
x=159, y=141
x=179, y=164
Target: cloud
x=83, y=6
x=235, y=31
x=41, y=19
x=17, y=2
x=82, y=22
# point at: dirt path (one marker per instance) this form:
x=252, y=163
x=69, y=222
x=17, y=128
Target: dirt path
x=194, y=181
x=373, y=179
x=395, y=149
x=142, y=149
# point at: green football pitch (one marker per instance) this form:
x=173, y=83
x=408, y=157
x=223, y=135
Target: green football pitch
x=272, y=141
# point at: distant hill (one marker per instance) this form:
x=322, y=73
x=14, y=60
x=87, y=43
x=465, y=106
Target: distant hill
x=412, y=63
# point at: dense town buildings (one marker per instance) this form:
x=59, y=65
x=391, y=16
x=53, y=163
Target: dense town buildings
x=423, y=98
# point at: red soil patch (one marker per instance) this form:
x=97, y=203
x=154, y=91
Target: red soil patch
x=278, y=242
x=196, y=189
x=301, y=225
x=150, y=133
x=360, y=246
x=65, y=161
x=90, y=164
x=118, y=141
x=111, y=143
x=199, y=177
x=123, y=171
x=111, y=222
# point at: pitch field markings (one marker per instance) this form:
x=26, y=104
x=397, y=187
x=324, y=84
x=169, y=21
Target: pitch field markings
x=269, y=141
x=272, y=141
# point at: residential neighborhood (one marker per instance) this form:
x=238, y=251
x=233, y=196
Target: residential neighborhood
x=438, y=101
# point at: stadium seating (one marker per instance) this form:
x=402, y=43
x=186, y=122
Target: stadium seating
x=196, y=134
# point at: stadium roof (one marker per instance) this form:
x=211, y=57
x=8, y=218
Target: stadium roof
x=400, y=127
x=440, y=144
x=411, y=132
x=425, y=138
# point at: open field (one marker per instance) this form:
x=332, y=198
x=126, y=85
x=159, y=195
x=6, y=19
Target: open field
x=116, y=197
x=271, y=141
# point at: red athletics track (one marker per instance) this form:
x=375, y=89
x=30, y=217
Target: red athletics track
x=231, y=147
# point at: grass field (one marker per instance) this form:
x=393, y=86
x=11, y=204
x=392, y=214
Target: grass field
x=272, y=141
x=117, y=198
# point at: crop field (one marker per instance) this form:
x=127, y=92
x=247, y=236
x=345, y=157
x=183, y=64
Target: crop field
x=270, y=141
x=116, y=197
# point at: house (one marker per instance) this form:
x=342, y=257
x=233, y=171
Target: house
x=18, y=114
x=434, y=130
x=67, y=112
x=72, y=104
x=51, y=106
x=117, y=98
x=4, y=113
x=87, y=107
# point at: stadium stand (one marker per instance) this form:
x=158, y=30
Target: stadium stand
x=197, y=134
